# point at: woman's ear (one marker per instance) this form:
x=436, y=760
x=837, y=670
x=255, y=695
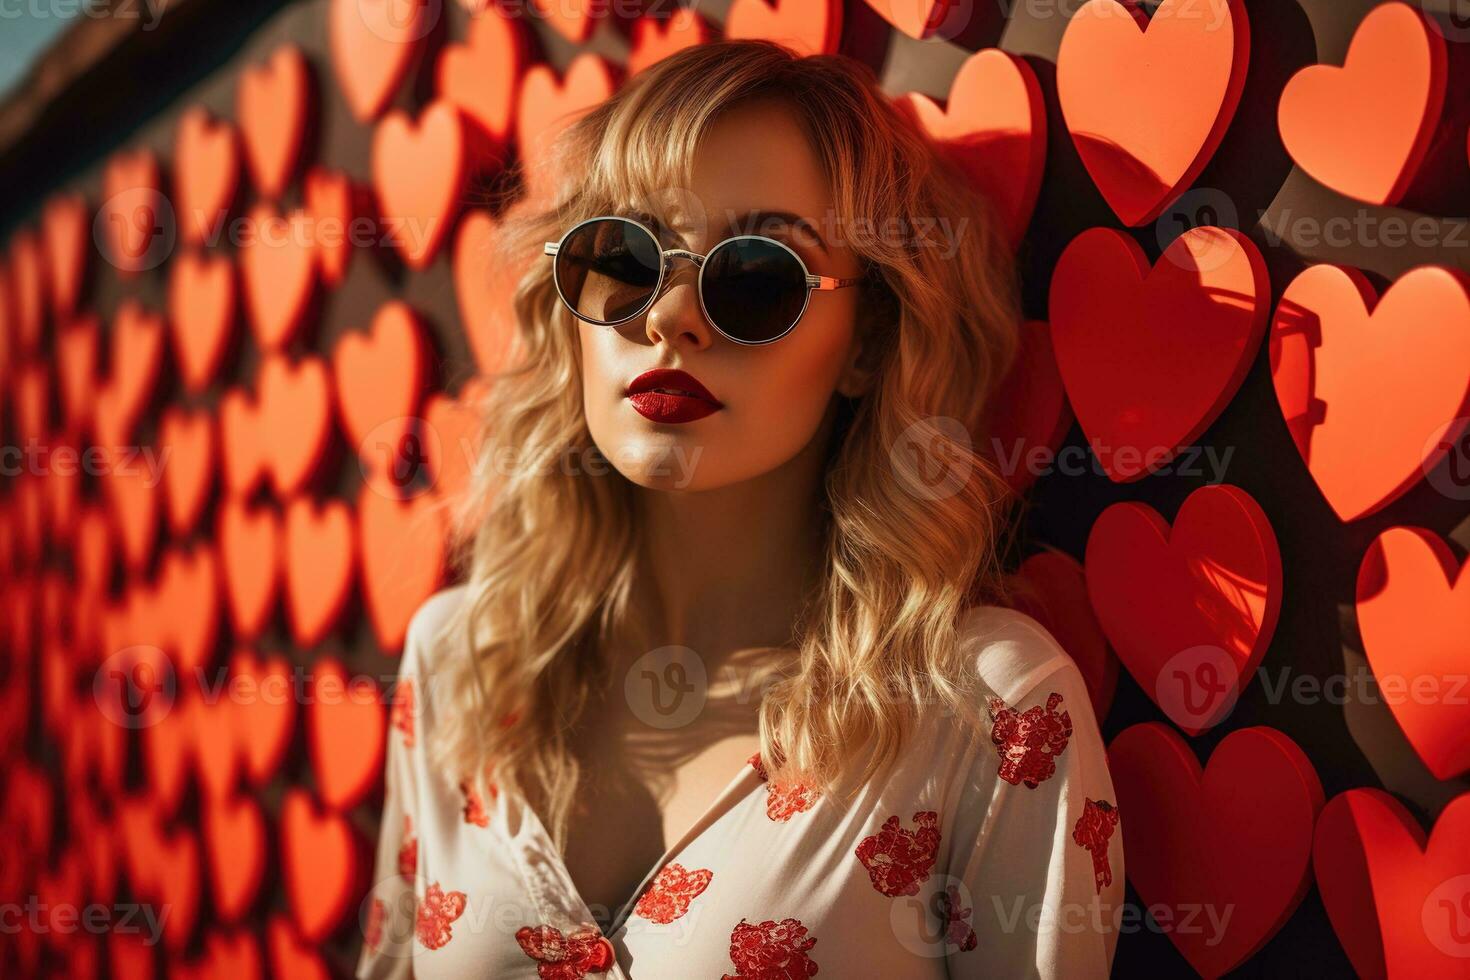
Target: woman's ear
x=858, y=373
x=877, y=319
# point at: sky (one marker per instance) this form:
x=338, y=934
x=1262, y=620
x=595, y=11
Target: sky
x=27, y=29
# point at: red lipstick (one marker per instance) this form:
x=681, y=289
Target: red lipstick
x=671, y=396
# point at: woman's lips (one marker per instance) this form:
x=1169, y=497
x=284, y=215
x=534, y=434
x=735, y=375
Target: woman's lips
x=671, y=396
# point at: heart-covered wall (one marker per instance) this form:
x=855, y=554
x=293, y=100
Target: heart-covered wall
x=1240, y=421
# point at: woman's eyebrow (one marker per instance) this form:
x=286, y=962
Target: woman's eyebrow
x=741, y=222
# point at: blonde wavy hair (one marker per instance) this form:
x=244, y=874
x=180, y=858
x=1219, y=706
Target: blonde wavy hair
x=549, y=554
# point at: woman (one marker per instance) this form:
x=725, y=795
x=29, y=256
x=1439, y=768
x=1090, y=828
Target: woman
x=730, y=689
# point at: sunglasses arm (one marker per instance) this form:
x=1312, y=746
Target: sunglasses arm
x=831, y=282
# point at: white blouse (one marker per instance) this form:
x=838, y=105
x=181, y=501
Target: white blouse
x=972, y=857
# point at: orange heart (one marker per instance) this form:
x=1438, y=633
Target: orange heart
x=234, y=837
x=1410, y=592
x=131, y=956
x=201, y=315
x=480, y=76
x=330, y=201
x=808, y=27
x=379, y=379
x=63, y=491
x=217, y=754
x=1364, y=129
x=188, y=585
x=249, y=543
x=657, y=37
x=1374, y=392
x=572, y=19
x=132, y=502
x=243, y=463
x=373, y=43
x=179, y=886
x=28, y=281
x=484, y=284
x=1147, y=100
x=453, y=448
x=994, y=127
x=233, y=957
x=137, y=350
x=272, y=102
x=320, y=558
x=321, y=865
x=278, y=268
x=265, y=712
x=922, y=18
x=402, y=549
x=419, y=172
x=207, y=175
x=346, y=730
x=548, y=105
x=92, y=559
x=166, y=752
x=76, y=370
x=188, y=438
x=294, y=415
x=290, y=958
x=65, y=225
x=32, y=391
x=135, y=215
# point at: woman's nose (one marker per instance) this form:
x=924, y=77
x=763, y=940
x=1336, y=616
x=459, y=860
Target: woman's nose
x=676, y=316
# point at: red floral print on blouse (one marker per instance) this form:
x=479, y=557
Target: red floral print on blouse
x=897, y=859
x=474, y=806
x=408, y=851
x=668, y=895
x=957, y=929
x=784, y=800
x=1029, y=741
x=372, y=930
x=569, y=957
x=436, y=914
x=1092, y=831
x=771, y=951
x=401, y=716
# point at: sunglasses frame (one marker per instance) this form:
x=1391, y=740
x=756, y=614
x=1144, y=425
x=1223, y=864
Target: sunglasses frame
x=665, y=254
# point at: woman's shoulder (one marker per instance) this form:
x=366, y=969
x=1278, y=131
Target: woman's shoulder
x=434, y=625
x=1012, y=653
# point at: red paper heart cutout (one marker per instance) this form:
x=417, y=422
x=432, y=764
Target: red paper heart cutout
x=572, y=19
x=63, y=492
x=294, y=416
x=188, y=438
x=1364, y=129
x=655, y=37
x=481, y=77
x=379, y=379
x=135, y=215
x=1147, y=100
x=1374, y=391
x=32, y=400
x=331, y=203
x=1235, y=836
x=273, y=103
x=207, y=175
x=189, y=586
x=1410, y=593
x=484, y=284
x=320, y=559
x=402, y=549
x=201, y=314
x=65, y=225
x=548, y=105
x=233, y=957
x=217, y=753
x=28, y=282
x=242, y=463
x=346, y=730
x=994, y=127
x=1396, y=900
x=76, y=371
x=179, y=886
x=290, y=958
x=265, y=712
x=1190, y=610
x=249, y=545
x=373, y=43
x=808, y=27
x=1051, y=587
x=1030, y=412
x=1141, y=387
x=166, y=751
x=321, y=865
x=132, y=503
x=278, y=270
x=453, y=446
x=137, y=354
x=920, y=18
x=234, y=835
x=419, y=173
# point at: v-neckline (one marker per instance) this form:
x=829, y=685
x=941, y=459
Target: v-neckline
x=734, y=790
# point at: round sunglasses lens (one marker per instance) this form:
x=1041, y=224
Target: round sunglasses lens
x=607, y=269
x=753, y=290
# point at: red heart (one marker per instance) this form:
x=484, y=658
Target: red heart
x=320, y=857
x=188, y=585
x=379, y=379
x=320, y=558
x=419, y=172
x=63, y=491
x=294, y=417
x=1189, y=610
x=483, y=284
x=1397, y=901
x=32, y=400
x=28, y=280
x=188, y=438
x=1031, y=415
x=234, y=835
x=480, y=76
x=808, y=27
x=278, y=269
x=178, y=888
x=454, y=444
x=994, y=127
x=166, y=751
x=130, y=956
x=265, y=712
x=137, y=350
x=133, y=212
x=572, y=19
x=207, y=175
x=201, y=314
x=249, y=545
x=132, y=503
x=402, y=549
x=655, y=37
x=217, y=748
x=233, y=957
x=548, y=105
x=1235, y=837
x=331, y=203
x=76, y=371
x=1141, y=387
x=1374, y=391
x=290, y=958
x=346, y=730
x=373, y=43
x=1364, y=129
x=919, y=18
x=272, y=102
x=1148, y=100
x=1411, y=591
x=242, y=463
x=1051, y=587
x=65, y=226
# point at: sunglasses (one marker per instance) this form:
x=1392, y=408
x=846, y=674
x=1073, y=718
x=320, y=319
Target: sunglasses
x=753, y=289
